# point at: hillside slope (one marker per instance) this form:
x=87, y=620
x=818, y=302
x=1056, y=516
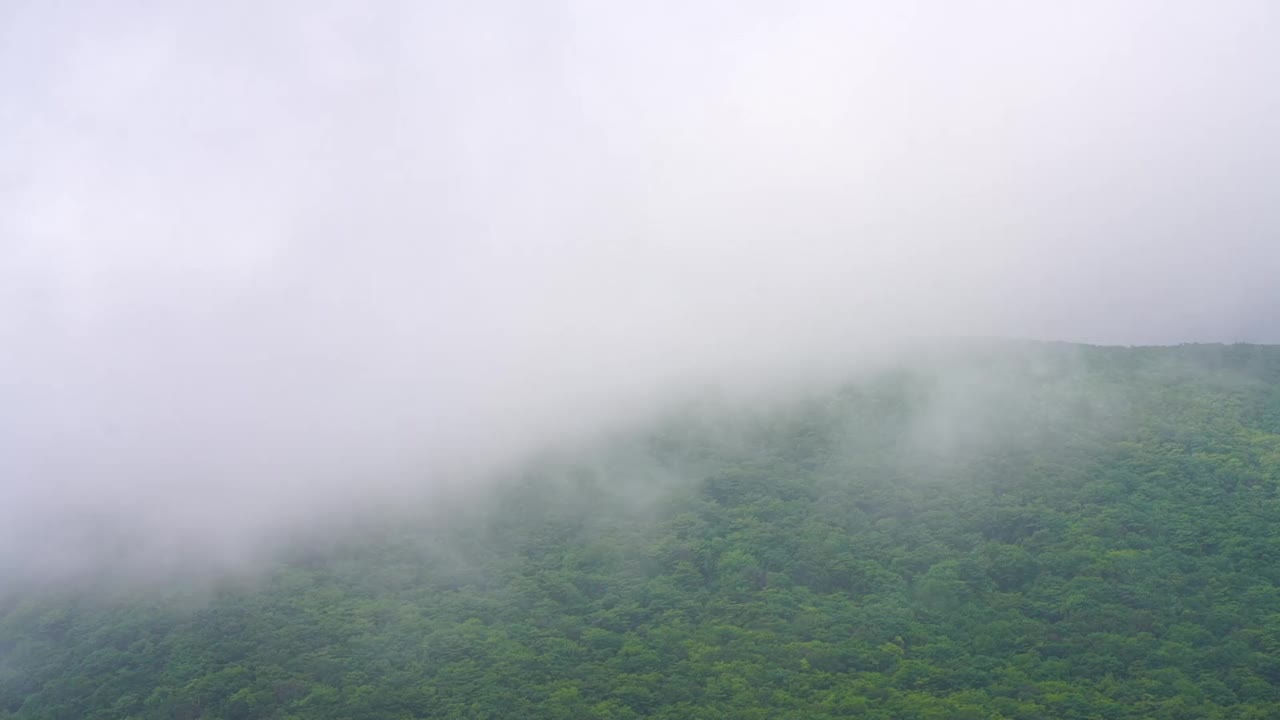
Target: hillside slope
x=1042, y=531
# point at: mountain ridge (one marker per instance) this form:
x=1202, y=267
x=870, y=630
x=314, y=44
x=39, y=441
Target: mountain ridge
x=1070, y=532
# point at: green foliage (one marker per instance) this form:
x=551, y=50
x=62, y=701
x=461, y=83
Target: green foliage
x=1053, y=532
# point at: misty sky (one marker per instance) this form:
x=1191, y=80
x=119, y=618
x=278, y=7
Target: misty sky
x=249, y=250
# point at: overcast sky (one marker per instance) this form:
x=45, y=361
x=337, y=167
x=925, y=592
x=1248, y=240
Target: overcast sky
x=252, y=247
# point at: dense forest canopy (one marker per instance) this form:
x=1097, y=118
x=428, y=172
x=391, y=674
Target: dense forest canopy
x=990, y=531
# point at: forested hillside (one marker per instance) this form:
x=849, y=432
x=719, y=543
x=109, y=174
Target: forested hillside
x=1003, y=531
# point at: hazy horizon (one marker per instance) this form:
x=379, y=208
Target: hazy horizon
x=254, y=252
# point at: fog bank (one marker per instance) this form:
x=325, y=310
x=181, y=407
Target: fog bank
x=261, y=258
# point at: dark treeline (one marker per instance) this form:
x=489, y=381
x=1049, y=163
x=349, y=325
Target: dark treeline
x=1004, y=532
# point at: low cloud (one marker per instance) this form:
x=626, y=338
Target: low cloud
x=259, y=260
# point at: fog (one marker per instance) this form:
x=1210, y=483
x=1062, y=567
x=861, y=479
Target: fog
x=260, y=259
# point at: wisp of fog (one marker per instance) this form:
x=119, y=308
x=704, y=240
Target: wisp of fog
x=262, y=259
